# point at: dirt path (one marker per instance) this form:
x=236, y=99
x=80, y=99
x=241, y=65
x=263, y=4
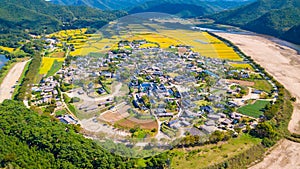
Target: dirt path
x=7, y=86
x=283, y=64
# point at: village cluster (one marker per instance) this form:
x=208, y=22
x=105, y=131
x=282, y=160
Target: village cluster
x=184, y=91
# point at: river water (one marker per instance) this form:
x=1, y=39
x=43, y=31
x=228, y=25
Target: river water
x=3, y=60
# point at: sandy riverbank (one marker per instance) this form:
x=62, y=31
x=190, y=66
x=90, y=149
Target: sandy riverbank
x=7, y=86
x=284, y=64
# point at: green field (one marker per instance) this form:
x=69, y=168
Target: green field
x=204, y=156
x=263, y=85
x=54, y=68
x=254, y=110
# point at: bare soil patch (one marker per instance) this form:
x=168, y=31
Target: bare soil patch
x=10, y=81
x=132, y=122
x=114, y=116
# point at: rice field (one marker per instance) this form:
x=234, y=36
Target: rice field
x=201, y=42
x=76, y=37
x=204, y=43
x=47, y=64
x=64, y=34
x=161, y=39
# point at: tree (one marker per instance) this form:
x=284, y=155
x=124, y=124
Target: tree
x=264, y=130
x=293, y=99
x=217, y=136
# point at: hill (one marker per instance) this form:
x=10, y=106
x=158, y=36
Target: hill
x=264, y=16
x=293, y=34
x=189, y=8
x=38, y=16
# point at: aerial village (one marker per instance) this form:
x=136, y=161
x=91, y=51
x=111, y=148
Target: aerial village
x=181, y=91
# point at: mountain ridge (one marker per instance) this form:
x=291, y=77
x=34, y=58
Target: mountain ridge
x=266, y=17
x=190, y=8
x=20, y=17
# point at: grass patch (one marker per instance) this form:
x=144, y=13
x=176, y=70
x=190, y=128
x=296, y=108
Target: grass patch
x=208, y=155
x=254, y=110
x=263, y=85
x=55, y=67
x=60, y=112
x=72, y=108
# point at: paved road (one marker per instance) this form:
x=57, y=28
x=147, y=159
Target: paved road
x=7, y=86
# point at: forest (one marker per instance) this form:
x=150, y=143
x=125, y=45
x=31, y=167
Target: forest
x=30, y=140
x=19, y=18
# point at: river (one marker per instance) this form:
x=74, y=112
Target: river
x=3, y=60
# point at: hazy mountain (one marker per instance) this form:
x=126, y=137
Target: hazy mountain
x=102, y=4
x=129, y=4
x=187, y=8
x=265, y=16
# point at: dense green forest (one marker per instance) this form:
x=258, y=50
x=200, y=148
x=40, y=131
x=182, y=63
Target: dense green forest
x=20, y=17
x=29, y=140
x=265, y=16
x=190, y=8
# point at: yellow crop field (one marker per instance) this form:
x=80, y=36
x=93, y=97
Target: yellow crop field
x=47, y=64
x=161, y=39
x=200, y=42
x=203, y=43
x=66, y=33
x=76, y=37
x=223, y=50
x=85, y=50
x=8, y=49
x=241, y=66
